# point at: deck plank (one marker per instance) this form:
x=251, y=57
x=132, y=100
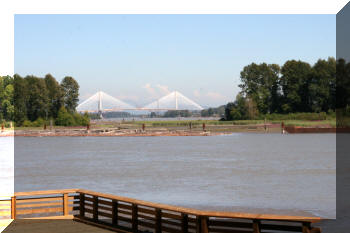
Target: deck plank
x=52, y=226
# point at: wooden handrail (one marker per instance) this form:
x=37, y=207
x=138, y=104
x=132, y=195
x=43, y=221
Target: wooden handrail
x=220, y=214
x=46, y=192
x=45, y=197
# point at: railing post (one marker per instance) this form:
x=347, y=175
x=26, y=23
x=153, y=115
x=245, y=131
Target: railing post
x=306, y=227
x=13, y=207
x=158, y=223
x=184, y=223
x=198, y=224
x=256, y=226
x=82, y=205
x=65, y=204
x=115, y=212
x=204, y=224
x=134, y=218
x=95, y=209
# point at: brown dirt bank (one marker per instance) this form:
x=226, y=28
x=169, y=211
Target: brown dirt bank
x=111, y=133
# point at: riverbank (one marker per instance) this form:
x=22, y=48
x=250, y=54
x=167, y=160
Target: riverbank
x=131, y=130
x=171, y=127
x=7, y=133
x=111, y=133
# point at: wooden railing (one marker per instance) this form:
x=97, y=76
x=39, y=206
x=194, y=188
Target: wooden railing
x=39, y=204
x=123, y=214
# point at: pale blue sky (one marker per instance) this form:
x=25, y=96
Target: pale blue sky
x=138, y=57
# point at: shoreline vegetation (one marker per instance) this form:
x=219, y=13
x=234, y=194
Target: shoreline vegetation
x=297, y=94
x=183, y=127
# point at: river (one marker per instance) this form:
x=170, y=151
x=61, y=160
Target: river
x=270, y=173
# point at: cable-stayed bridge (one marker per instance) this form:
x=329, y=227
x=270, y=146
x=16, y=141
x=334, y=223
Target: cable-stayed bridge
x=102, y=102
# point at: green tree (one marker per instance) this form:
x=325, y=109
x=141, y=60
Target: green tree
x=295, y=83
x=342, y=84
x=260, y=83
x=7, y=104
x=55, y=95
x=70, y=89
x=20, y=97
x=322, y=85
x=37, y=98
x=81, y=120
x=237, y=110
x=6, y=98
x=228, y=109
x=64, y=118
x=274, y=98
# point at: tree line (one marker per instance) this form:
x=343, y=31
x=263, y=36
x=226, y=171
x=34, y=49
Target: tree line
x=6, y=98
x=209, y=112
x=296, y=87
x=37, y=100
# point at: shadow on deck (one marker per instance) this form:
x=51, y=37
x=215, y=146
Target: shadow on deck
x=51, y=226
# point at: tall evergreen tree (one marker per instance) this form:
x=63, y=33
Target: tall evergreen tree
x=260, y=84
x=55, y=95
x=295, y=81
x=70, y=89
x=37, y=98
x=322, y=85
x=20, y=94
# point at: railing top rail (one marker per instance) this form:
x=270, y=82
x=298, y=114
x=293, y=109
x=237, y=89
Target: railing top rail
x=46, y=192
x=190, y=211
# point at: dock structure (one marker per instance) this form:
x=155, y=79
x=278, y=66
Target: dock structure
x=121, y=214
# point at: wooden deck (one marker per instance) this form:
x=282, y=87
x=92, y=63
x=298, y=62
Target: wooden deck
x=91, y=209
x=51, y=226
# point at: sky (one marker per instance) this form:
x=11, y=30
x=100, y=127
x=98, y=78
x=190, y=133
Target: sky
x=139, y=58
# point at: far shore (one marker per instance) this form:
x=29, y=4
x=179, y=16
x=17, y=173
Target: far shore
x=110, y=133
x=108, y=128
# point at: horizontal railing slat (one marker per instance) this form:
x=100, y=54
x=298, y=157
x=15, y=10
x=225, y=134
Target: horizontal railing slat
x=171, y=222
x=37, y=211
x=146, y=211
x=104, y=202
x=104, y=214
x=170, y=229
x=281, y=227
x=142, y=216
x=170, y=215
x=228, y=223
x=40, y=205
x=5, y=213
x=226, y=230
x=43, y=199
x=146, y=224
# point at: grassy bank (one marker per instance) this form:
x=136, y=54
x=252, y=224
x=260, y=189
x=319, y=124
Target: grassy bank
x=211, y=125
x=175, y=123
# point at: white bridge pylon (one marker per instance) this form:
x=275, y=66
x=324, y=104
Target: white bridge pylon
x=102, y=102
x=173, y=101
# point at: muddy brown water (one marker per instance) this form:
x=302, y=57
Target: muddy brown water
x=270, y=173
